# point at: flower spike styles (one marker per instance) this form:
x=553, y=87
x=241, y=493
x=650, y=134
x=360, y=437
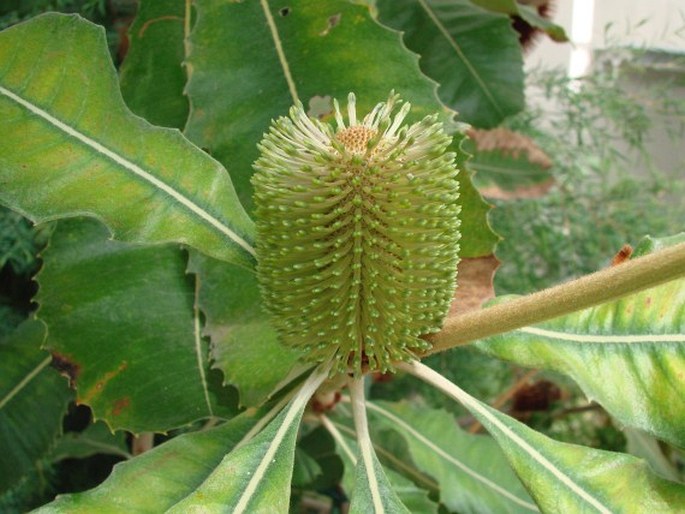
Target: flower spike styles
x=357, y=233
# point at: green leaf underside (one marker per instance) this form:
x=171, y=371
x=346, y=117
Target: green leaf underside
x=644, y=446
x=474, y=55
x=224, y=469
x=33, y=400
x=243, y=344
x=69, y=146
x=255, y=477
x=408, y=494
x=97, y=438
x=568, y=478
x=152, y=78
x=565, y=477
x=472, y=473
x=122, y=323
x=362, y=499
x=372, y=489
x=628, y=355
x=160, y=478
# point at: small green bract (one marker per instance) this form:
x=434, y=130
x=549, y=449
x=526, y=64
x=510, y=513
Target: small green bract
x=357, y=233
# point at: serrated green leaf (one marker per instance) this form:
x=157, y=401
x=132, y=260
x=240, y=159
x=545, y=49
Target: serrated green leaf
x=97, y=438
x=243, y=53
x=33, y=401
x=225, y=469
x=477, y=237
x=70, y=146
x=152, y=77
x=158, y=479
x=255, y=477
x=362, y=499
x=234, y=44
x=243, y=344
x=122, y=324
x=528, y=13
x=410, y=495
x=628, y=355
x=474, y=55
x=565, y=477
x=472, y=472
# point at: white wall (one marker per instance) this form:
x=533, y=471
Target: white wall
x=663, y=26
x=655, y=24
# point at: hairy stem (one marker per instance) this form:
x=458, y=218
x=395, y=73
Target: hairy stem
x=609, y=284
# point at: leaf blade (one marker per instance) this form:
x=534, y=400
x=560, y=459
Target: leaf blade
x=121, y=318
x=473, y=474
x=629, y=355
x=483, y=86
x=243, y=346
x=171, y=470
x=565, y=477
x=33, y=401
x=124, y=171
x=261, y=468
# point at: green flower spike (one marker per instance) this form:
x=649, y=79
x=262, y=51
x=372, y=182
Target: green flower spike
x=357, y=233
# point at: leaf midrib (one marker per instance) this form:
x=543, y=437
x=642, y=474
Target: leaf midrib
x=24, y=382
x=133, y=168
x=595, y=339
x=279, y=50
x=446, y=456
x=460, y=54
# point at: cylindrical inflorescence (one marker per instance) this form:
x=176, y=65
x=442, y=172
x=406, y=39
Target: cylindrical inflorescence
x=357, y=233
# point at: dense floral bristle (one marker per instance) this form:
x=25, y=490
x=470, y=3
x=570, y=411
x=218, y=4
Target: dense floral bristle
x=357, y=233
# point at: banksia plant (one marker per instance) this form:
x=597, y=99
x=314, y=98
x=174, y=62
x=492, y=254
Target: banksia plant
x=357, y=233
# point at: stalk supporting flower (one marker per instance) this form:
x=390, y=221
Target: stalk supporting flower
x=357, y=233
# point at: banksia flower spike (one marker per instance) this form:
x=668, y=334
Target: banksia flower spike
x=357, y=233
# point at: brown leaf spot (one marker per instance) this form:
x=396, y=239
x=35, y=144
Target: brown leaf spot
x=120, y=405
x=474, y=284
x=100, y=384
x=66, y=367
